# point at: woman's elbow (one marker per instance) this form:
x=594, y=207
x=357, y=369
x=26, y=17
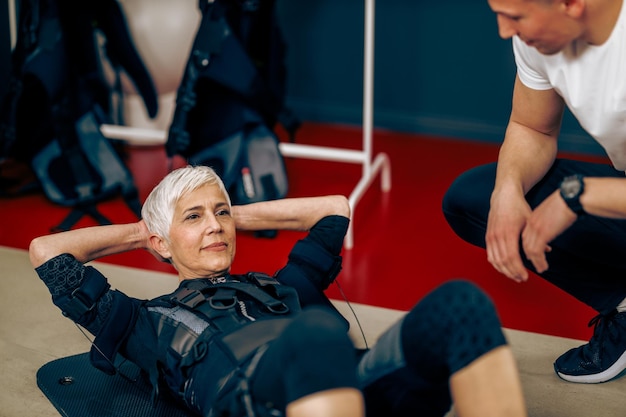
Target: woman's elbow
x=342, y=206
x=38, y=251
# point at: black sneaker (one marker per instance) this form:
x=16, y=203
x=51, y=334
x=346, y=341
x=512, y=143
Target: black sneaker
x=600, y=360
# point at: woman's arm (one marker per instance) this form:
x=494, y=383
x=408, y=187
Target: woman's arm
x=289, y=213
x=89, y=243
x=489, y=386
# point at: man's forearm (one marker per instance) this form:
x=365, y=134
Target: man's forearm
x=605, y=197
x=525, y=157
x=530, y=142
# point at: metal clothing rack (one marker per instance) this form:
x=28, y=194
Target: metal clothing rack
x=371, y=166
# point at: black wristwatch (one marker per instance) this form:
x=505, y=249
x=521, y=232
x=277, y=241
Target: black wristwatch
x=572, y=187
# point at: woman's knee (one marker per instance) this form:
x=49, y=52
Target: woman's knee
x=316, y=326
x=454, y=324
x=317, y=354
x=457, y=303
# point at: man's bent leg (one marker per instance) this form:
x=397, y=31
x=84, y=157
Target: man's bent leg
x=586, y=261
x=466, y=203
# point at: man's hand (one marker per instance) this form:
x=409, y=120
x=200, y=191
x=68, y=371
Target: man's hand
x=551, y=218
x=507, y=219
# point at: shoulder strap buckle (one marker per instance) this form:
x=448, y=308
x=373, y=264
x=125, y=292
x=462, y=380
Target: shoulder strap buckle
x=188, y=297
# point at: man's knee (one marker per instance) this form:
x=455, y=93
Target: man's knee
x=470, y=191
x=466, y=203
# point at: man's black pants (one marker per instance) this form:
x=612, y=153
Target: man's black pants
x=588, y=260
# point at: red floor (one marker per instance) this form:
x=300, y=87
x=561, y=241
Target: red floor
x=402, y=245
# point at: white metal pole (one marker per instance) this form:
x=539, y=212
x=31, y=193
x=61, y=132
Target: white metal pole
x=370, y=168
x=12, y=23
x=368, y=84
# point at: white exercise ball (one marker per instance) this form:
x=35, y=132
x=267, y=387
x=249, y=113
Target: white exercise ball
x=163, y=32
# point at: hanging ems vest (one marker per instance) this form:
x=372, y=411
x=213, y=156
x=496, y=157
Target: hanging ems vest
x=213, y=333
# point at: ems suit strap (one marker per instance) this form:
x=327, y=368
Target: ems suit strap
x=268, y=284
x=307, y=253
x=81, y=306
x=188, y=297
x=261, y=279
x=83, y=299
x=224, y=297
x=310, y=270
x=108, y=341
x=270, y=303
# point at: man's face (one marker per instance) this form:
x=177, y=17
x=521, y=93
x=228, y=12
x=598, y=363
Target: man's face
x=202, y=234
x=543, y=25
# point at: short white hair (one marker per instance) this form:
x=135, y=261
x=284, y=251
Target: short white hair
x=158, y=209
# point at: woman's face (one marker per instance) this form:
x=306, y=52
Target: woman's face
x=202, y=234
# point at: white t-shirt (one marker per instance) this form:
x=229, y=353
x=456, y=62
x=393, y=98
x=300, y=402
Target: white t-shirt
x=592, y=81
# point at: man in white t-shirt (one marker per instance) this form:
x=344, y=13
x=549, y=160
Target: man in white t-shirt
x=562, y=219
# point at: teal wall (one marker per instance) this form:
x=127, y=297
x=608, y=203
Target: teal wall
x=440, y=68
x=5, y=47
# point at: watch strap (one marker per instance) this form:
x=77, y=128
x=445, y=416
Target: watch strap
x=573, y=202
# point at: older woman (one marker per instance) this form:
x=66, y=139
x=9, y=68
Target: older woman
x=254, y=344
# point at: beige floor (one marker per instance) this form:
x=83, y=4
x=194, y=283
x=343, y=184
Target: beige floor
x=33, y=332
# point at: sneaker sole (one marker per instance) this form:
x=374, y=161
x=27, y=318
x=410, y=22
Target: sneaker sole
x=614, y=370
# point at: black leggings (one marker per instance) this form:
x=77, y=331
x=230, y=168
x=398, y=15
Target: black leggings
x=407, y=371
x=312, y=354
x=587, y=260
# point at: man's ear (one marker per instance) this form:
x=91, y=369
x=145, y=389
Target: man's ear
x=574, y=8
x=160, y=246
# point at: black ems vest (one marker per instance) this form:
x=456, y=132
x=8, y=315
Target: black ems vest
x=212, y=334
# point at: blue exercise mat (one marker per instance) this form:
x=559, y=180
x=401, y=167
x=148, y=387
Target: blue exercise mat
x=77, y=389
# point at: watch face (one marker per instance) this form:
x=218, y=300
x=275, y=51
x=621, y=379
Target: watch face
x=570, y=187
